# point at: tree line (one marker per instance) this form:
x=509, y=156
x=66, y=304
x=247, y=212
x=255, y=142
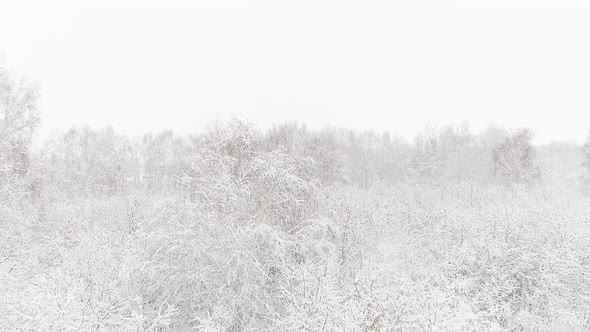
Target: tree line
x=287, y=229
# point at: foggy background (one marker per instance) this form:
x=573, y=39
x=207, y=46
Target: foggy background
x=386, y=65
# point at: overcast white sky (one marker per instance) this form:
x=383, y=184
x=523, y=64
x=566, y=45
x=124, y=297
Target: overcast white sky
x=387, y=65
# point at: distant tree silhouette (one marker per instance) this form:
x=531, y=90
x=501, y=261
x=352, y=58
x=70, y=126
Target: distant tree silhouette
x=18, y=119
x=513, y=160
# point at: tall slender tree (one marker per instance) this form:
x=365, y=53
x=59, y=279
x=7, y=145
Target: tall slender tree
x=19, y=117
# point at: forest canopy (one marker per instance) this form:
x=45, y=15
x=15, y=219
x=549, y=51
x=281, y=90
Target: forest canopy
x=288, y=229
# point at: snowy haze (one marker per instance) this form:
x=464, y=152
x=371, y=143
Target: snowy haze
x=288, y=214
x=386, y=65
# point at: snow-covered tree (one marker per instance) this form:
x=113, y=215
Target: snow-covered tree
x=513, y=160
x=19, y=117
x=231, y=174
x=86, y=162
x=162, y=157
x=447, y=153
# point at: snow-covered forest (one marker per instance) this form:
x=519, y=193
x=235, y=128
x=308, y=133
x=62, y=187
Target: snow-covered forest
x=236, y=228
